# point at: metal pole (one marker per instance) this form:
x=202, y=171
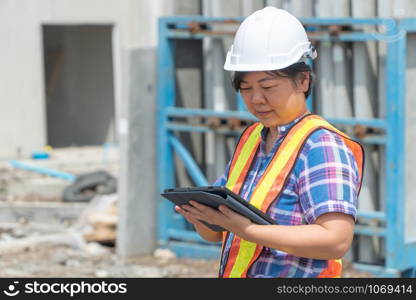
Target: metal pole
x=214, y=88
x=166, y=94
x=325, y=83
x=188, y=72
x=384, y=9
x=407, y=133
x=364, y=91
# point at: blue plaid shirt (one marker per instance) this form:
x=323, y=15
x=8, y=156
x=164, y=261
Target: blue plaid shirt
x=324, y=179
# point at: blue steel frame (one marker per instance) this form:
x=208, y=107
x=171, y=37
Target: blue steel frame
x=172, y=232
x=401, y=255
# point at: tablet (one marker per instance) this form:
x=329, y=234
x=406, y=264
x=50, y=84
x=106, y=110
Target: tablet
x=214, y=196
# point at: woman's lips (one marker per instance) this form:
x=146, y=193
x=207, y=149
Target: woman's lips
x=263, y=113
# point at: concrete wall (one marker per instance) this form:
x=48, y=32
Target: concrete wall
x=21, y=84
x=22, y=113
x=22, y=100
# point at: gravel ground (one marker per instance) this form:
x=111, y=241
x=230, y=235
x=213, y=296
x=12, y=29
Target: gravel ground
x=50, y=260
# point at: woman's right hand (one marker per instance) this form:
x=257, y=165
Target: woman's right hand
x=203, y=230
x=187, y=216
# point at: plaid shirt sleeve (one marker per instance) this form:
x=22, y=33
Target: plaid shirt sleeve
x=222, y=180
x=327, y=176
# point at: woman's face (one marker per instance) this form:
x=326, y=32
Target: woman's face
x=273, y=99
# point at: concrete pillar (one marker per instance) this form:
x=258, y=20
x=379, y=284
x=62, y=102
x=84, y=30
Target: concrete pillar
x=136, y=230
x=136, y=65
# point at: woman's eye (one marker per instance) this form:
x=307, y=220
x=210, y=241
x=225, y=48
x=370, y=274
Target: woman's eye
x=269, y=87
x=244, y=89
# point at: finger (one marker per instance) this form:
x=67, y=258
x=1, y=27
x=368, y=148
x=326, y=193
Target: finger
x=187, y=215
x=207, y=213
x=191, y=210
x=197, y=205
x=203, y=209
x=182, y=212
x=179, y=209
x=225, y=210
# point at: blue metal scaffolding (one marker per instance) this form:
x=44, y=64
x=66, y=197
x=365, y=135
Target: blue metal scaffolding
x=173, y=231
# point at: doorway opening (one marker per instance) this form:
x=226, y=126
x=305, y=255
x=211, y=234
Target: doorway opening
x=79, y=88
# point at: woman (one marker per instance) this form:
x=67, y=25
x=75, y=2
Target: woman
x=292, y=165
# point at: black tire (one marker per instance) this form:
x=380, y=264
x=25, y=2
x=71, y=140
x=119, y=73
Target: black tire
x=99, y=182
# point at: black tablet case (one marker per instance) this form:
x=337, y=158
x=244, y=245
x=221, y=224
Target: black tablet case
x=213, y=197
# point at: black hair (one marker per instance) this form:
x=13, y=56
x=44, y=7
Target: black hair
x=294, y=72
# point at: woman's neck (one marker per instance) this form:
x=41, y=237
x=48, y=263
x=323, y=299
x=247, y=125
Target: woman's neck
x=273, y=132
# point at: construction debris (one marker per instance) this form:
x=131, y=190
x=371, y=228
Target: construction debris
x=103, y=224
x=20, y=184
x=164, y=255
x=39, y=250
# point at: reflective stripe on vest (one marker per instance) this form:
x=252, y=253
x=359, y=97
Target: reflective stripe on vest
x=242, y=253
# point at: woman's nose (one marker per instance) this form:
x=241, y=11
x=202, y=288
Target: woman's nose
x=258, y=97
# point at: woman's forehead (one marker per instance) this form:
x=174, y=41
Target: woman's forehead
x=259, y=76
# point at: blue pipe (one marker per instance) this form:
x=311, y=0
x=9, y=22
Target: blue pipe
x=377, y=123
x=186, y=235
x=373, y=215
x=197, y=112
x=314, y=21
x=370, y=231
x=344, y=37
x=244, y=115
x=42, y=170
x=190, y=164
x=189, y=128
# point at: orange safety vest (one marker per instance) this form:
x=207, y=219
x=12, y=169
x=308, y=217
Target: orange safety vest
x=242, y=253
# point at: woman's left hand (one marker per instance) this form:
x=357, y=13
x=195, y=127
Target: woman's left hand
x=223, y=216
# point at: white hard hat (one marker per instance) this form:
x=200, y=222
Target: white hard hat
x=268, y=39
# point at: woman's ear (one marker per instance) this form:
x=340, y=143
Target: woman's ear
x=304, y=81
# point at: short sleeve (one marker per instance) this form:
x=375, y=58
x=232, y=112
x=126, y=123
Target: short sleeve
x=327, y=176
